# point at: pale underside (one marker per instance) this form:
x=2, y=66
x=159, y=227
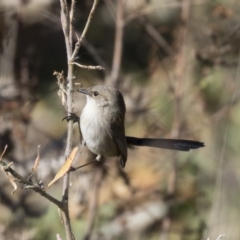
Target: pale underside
x=94, y=132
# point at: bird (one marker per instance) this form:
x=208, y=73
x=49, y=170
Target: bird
x=103, y=130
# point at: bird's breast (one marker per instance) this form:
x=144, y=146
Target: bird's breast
x=94, y=128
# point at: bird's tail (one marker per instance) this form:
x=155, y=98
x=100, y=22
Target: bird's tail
x=174, y=144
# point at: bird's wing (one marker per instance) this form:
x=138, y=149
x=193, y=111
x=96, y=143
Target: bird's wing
x=117, y=133
x=122, y=146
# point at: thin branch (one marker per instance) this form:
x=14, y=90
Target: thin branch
x=65, y=191
x=79, y=42
x=71, y=21
x=72, y=169
x=71, y=55
x=4, y=150
x=89, y=67
x=65, y=25
x=29, y=185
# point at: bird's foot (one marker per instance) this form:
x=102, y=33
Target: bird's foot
x=71, y=116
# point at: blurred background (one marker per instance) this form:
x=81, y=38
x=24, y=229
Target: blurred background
x=177, y=66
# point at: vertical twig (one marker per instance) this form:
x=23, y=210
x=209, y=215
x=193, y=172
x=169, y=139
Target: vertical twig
x=79, y=42
x=71, y=22
x=113, y=80
x=66, y=20
x=65, y=191
x=65, y=25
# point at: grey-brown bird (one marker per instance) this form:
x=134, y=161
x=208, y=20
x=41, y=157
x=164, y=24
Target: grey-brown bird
x=103, y=131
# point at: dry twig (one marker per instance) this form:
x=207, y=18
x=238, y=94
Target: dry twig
x=89, y=67
x=93, y=205
x=16, y=177
x=66, y=20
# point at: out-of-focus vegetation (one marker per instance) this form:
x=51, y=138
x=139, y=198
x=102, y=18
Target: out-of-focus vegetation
x=180, y=79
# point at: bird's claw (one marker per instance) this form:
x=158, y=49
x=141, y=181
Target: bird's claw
x=71, y=116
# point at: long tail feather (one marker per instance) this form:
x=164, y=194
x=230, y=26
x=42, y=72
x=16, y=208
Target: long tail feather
x=174, y=144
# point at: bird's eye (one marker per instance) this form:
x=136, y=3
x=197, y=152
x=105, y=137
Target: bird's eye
x=95, y=93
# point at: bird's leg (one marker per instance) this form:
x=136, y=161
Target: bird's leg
x=75, y=168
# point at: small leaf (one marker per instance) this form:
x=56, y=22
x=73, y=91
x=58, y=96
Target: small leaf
x=65, y=168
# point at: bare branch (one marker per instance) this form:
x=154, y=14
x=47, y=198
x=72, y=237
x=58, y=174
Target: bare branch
x=5, y=148
x=65, y=190
x=84, y=165
x=66, y=19
x=71, y=21
x=79, y=42
x=28, y=184
x=89, y=67
x=65, y=25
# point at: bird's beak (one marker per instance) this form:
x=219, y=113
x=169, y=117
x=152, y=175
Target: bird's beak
x=84, y=91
